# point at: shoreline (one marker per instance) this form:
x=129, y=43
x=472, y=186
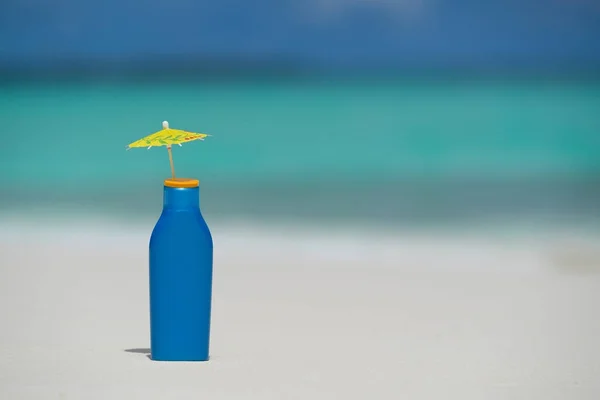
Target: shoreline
x=510, y=250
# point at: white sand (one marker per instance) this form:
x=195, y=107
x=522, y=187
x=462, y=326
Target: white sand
x=305, y=316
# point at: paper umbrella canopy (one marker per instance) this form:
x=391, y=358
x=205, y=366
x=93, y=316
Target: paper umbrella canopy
x=167, y=137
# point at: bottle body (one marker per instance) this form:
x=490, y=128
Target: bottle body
x=181, y=258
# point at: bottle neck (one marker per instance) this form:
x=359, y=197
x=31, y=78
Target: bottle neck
x=181, y=198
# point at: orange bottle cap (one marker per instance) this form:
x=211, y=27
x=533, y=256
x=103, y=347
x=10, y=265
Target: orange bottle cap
x=182, y=182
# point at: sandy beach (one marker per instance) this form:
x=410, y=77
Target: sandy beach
x=305, y=314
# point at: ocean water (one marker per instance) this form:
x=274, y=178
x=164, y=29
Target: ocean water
x=392, y=152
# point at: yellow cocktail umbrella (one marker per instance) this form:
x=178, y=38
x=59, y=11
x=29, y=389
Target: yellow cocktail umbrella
x=167, y=137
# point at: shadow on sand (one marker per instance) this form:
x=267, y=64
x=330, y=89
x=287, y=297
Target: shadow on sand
x=145, y=351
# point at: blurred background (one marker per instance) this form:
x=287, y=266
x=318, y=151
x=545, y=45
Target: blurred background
x=396, y=113
x=342, y=133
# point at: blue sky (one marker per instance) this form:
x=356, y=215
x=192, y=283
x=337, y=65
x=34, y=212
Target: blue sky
x=346, y=32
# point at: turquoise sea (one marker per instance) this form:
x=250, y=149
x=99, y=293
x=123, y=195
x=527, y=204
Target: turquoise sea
x=387, y=152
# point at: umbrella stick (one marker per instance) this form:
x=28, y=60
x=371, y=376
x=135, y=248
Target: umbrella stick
x=171, y=161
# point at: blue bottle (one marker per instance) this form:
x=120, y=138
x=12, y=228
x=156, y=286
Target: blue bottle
x=181, y=269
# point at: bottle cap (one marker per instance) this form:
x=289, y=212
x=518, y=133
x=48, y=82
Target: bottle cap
x=182, y=182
